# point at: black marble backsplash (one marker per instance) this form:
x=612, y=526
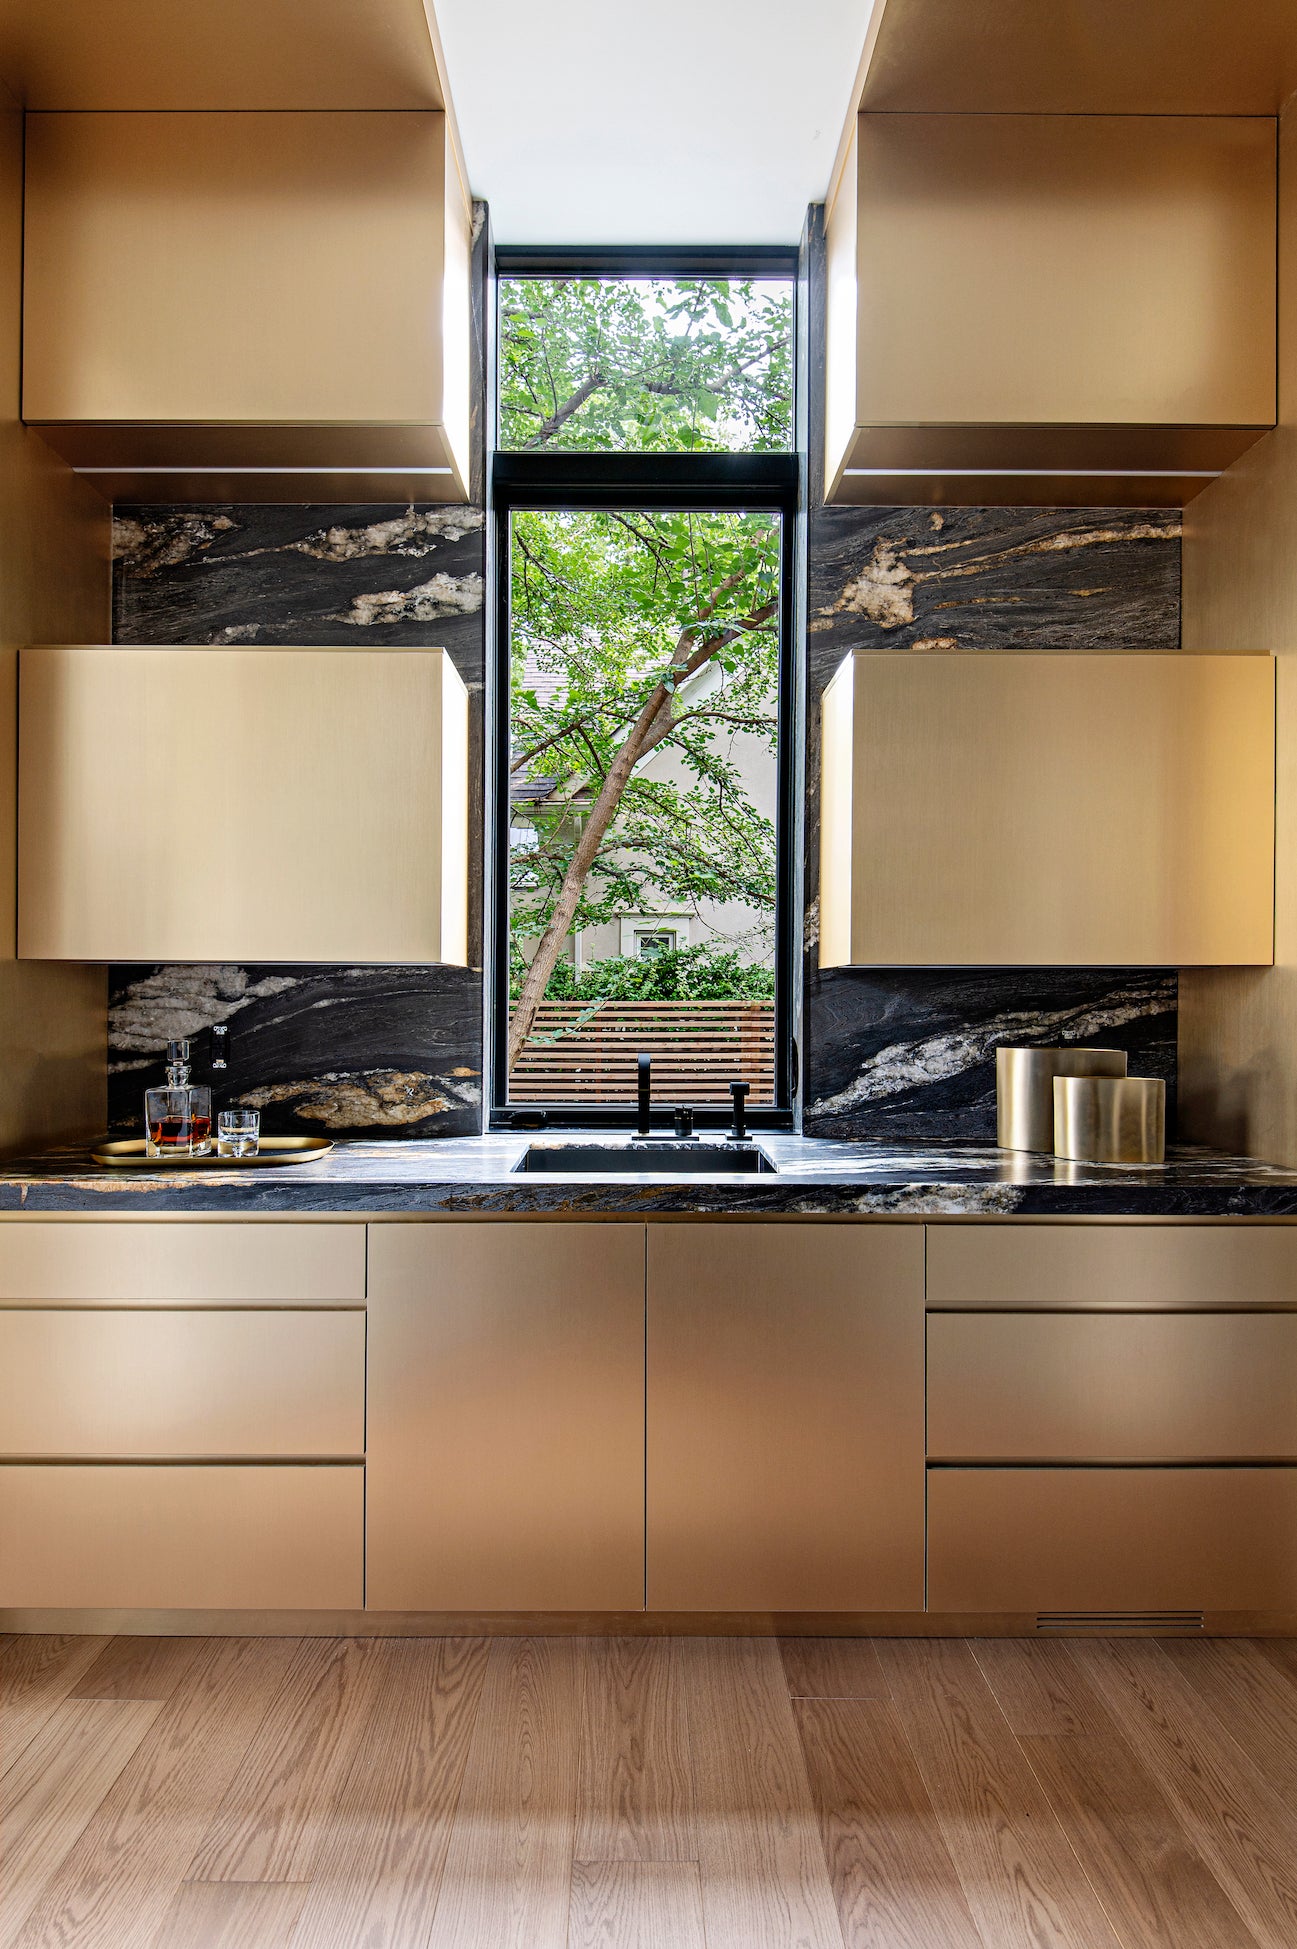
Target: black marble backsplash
x=390, y=1052
x=925, y=578
x=313, y=574
x=908, y=1055
x=351, y=1051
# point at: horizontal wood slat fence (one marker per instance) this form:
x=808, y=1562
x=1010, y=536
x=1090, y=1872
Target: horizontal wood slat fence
x=584, y=1052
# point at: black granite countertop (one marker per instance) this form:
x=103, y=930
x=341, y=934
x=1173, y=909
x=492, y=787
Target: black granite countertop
x=815, y=1176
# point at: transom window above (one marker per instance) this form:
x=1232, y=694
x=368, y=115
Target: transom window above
x=646, y=364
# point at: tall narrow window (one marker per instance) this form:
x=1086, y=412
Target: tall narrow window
x=642, y=768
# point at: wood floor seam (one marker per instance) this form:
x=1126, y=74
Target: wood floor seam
x=1119, y=1935
x=979, y=1648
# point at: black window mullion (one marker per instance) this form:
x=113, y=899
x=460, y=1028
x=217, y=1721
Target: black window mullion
x=658, y=480
x=646, y=260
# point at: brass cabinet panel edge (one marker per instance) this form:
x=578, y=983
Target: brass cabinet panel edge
x=1098, y=57
x=243, y=56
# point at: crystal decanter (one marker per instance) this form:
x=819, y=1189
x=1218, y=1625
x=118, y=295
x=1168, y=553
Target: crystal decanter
x=178, y=1117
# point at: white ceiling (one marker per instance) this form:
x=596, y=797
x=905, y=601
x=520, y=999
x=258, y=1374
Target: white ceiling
x=651, y=121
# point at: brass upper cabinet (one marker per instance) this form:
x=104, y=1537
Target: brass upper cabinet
x=242, y=805
x=256, y=302
x=1037, y=810
x=1050, y=297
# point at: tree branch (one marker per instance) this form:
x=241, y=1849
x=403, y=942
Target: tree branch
x=561, y=414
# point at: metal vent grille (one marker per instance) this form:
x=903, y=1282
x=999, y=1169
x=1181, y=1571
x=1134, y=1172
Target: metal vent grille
x=1114, y=1621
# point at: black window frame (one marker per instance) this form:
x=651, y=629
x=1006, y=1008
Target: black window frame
x=665, y=482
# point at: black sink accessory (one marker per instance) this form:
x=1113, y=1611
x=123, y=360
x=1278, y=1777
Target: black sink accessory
x=664, y=1157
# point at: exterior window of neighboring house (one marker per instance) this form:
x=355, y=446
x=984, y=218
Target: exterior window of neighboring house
x=645, y=490
x=649, y=945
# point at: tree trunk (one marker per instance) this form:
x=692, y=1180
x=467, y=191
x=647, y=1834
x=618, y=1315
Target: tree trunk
x=593, y=832
x=646, y=732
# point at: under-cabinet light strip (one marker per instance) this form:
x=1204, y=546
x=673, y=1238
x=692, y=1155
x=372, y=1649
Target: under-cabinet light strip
x=1031, y=473
x=306, y=468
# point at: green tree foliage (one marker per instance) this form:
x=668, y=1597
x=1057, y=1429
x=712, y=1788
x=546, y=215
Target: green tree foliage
x=646, y=365
x=632, y=631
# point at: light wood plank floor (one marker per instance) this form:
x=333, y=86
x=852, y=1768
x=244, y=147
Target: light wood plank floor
x=649, y=1793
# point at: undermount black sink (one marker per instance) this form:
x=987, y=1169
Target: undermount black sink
x=684, y=1158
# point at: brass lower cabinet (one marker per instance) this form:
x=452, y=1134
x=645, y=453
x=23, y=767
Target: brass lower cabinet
x=127, y=1536
x=1123, y=1387
x=87, y=1262
x=506, y=1417
x=1111, y=1267
x=1112, y=1539
x=785, y=1417
x=172, y=1383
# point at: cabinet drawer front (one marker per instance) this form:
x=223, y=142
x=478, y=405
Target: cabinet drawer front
x=1106, y=1539
x=1108, y=1267
x=155, y=1263
x=1112, y=1386
x=162, y=1538
x=100, y=1382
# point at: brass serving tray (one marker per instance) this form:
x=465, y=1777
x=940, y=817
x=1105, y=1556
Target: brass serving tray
x=130, y=1154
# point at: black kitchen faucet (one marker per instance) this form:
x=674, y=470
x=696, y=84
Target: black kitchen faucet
x=644, y=1080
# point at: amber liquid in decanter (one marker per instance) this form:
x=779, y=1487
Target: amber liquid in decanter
x=192, y=1134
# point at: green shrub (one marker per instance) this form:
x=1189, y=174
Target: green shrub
x=682, y=974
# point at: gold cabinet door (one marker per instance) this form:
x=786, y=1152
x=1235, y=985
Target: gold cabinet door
x=328, y=819
x=505, y=1417
x=199, y=294
x=1048, y=811
x=1112, y=1387
x=199, y=1382
x=1108, y=1540
x=1066, y=295
x=145, y=1536
x=785, y=1417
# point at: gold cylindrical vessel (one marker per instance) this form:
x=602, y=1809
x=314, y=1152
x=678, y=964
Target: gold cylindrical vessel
x=1110, y=1119
x=1024, y=1089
